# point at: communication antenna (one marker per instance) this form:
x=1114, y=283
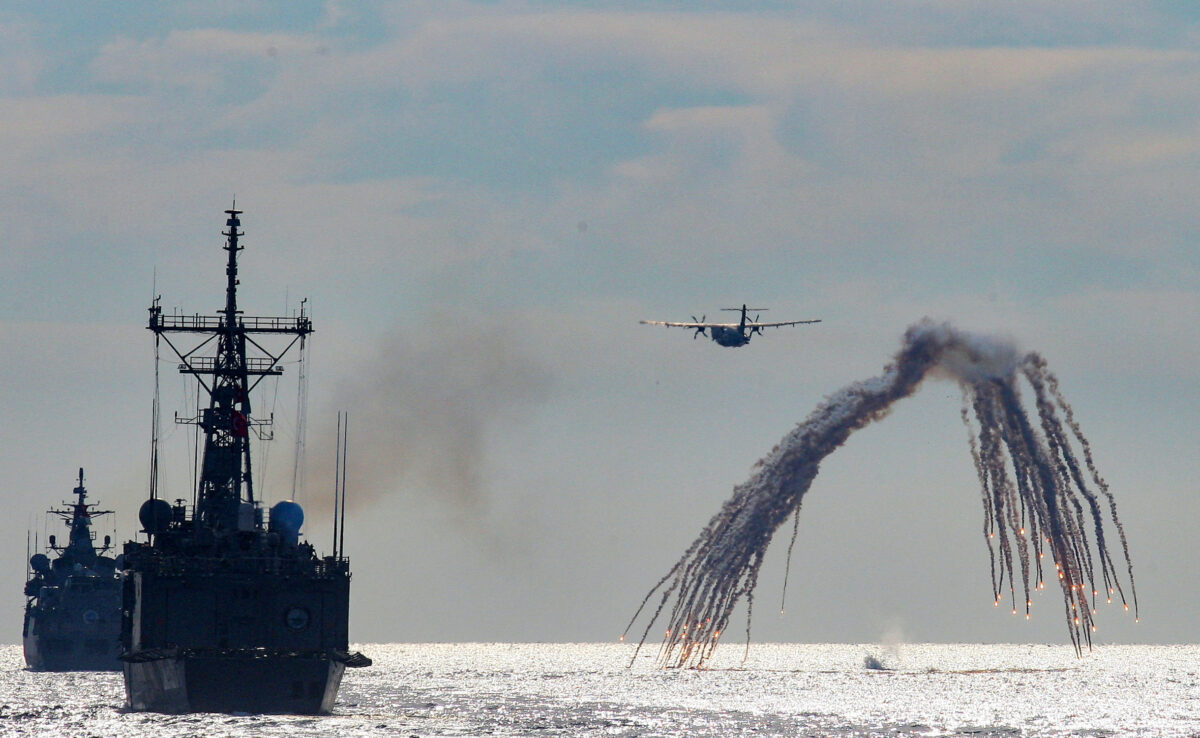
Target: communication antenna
x=301, y=413
x=337, y=490
x=341, y=547
x=195, y=451
x=155, y=407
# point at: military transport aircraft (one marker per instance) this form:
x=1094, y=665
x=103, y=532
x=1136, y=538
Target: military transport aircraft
x=729, y=334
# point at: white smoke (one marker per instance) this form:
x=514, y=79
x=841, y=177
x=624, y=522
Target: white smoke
x=969, y=357
x=1032, y=481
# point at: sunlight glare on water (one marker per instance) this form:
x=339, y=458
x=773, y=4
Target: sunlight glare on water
x=589, y=689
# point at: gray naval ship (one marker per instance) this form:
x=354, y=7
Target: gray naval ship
x=223, y=611
x=73, y=605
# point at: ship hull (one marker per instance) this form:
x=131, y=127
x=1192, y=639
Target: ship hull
x=82, y=654
x=250, y=681
x=75, y=635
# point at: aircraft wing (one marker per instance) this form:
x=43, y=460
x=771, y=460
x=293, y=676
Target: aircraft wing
x=777, y=325
x=670, y=324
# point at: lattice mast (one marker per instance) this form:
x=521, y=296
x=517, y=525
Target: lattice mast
x=225, y=488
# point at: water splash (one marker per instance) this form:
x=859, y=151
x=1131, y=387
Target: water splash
x=1039, y=496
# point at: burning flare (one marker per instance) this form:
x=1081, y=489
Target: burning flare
x=1038, y=495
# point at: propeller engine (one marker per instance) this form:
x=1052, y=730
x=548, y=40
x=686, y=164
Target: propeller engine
x=699, y=331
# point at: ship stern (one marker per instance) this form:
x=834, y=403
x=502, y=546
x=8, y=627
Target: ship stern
x=243, y=680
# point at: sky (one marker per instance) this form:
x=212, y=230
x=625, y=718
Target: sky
x=480, y=200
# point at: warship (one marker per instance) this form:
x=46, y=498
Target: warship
x=223, y=611
x=73, y=610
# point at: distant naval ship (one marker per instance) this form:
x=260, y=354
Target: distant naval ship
x=73, y=610
x=225, y=611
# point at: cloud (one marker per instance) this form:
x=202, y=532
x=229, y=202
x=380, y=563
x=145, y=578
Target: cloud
x=19, y=58
x=197, y=59
x=821, y=131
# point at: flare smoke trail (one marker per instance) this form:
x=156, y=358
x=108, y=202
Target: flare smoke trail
x=1038, y=495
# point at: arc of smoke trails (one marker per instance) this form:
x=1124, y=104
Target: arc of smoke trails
x=1036, y=493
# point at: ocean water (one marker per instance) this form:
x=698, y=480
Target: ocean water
x=591, y=690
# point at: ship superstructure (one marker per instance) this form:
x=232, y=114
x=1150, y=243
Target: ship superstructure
x=225, y=611
x=73, y=605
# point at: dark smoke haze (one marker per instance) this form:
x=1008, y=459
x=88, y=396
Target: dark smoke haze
x=1040, y=489
x=420, y=410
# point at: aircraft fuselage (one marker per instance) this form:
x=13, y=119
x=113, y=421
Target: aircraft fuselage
x=731, y=337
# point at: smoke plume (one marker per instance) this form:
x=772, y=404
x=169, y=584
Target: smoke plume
x=1040, y=490
x=420, y=410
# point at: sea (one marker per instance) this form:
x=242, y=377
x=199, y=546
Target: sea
x=550, y=689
